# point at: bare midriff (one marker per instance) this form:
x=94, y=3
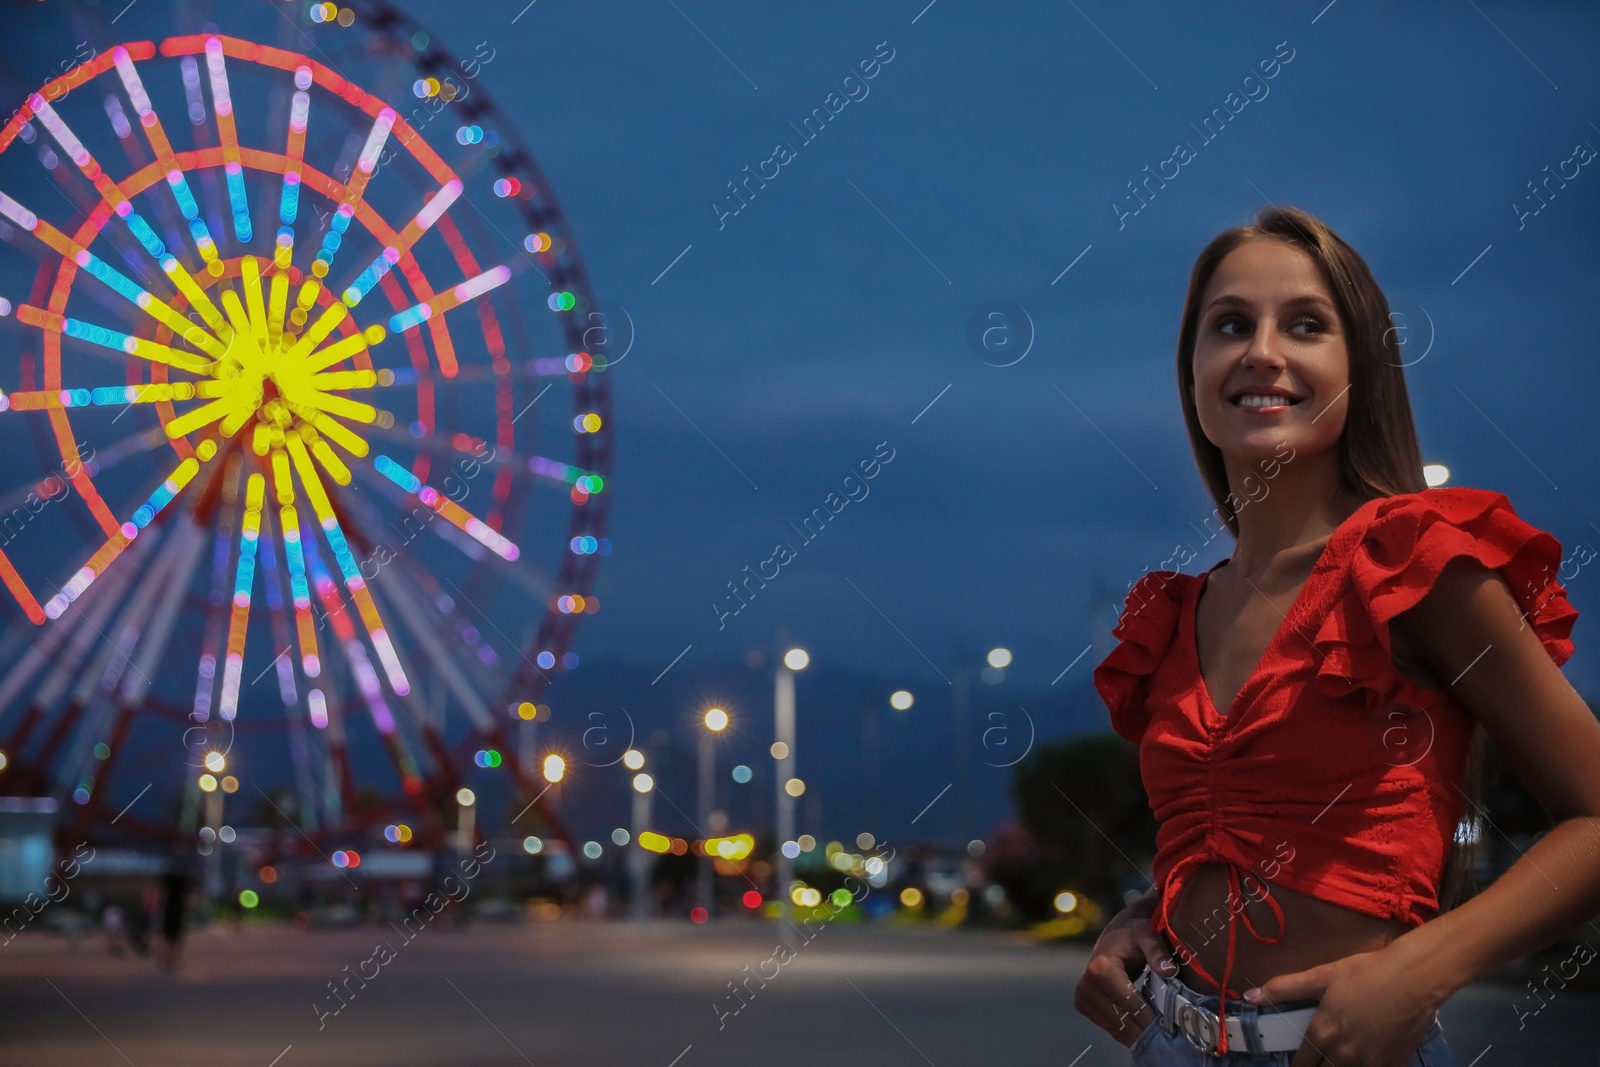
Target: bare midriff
x=1314, y=931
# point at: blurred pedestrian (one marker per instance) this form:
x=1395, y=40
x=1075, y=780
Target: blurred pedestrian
x=111, y=923
x=175, y=887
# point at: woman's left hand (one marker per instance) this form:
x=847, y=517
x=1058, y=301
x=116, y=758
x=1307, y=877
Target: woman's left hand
x=1370, y=1012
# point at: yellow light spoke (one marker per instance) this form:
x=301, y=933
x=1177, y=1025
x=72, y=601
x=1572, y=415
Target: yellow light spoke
x=236, y=312
x=245, y=405
x=29, y=315
x=250, y=275
x=196, y=296
x=353, y=580
x=338, y=405
x=172, y=357
x=281, y=481
x=345, y=379
x=275, y=305
x=333, y=430
x=343, y=349
x=114, y=279
x=276, y=369
x=204, y=415
x=330, y=461
x=318, y=330
x=308, y=475
x=186, y=330
x=220, y=387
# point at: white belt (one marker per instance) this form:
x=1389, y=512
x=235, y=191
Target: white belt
x=1282, y=1031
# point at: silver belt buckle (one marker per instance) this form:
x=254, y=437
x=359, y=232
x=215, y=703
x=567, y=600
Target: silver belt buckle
x=1200, y=1025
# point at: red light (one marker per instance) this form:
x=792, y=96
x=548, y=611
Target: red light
x=699, y=915
x=352, y=858
x=752, y=899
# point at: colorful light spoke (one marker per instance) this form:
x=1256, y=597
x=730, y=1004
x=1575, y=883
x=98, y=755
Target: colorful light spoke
x=455, y=296
x=244, y=579
x=448, y=509
x=113, y=547
x=177, y=182
x=194, y=290
x=385, y=261
x=222, y=104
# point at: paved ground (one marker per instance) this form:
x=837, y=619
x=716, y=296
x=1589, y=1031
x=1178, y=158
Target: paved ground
x=563, y=993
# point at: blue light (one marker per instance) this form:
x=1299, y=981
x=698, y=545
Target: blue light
x=181, y=193
x=147, y=237
x=397, y=474
x=289, y=202
x=240, y=203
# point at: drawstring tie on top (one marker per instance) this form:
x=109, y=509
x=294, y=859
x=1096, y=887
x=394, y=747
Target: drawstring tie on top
x=1168, y=895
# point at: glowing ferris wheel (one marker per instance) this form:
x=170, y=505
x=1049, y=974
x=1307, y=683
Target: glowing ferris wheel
x=289, y=368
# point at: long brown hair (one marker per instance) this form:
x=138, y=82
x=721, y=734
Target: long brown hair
x=1377, y=452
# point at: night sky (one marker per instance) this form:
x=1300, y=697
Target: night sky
x=832, y=310
x=824, y=321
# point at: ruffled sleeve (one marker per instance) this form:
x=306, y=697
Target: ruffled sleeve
x=1404, y=548
x=1144, y=632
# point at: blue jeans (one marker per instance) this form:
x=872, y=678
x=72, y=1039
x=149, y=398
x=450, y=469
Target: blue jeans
x=1161, y=1046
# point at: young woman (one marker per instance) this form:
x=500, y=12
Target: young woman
x=1310, y=712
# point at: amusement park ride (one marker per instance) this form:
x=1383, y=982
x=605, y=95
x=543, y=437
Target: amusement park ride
x=316, y=386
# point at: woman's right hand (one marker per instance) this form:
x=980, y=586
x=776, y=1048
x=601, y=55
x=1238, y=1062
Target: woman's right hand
x=1105, y=994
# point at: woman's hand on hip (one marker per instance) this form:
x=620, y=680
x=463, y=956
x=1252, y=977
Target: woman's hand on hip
x=1368, y=1015
x=1105, y=994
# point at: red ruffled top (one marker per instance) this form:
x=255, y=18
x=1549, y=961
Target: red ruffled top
x=1333, y=774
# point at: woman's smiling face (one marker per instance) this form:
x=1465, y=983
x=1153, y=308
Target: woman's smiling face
x=1270, y=362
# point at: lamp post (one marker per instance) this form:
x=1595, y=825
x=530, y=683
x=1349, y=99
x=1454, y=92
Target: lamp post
x=466, y=801
x=211, y=786
x=639, y=859
x=995, y=663
x=958, y=739
x=783, y=752
x=527, y=735
x=899, y=700
x=716, y=720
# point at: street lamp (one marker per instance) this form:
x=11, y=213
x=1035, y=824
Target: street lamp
x=899, y=700
x=794, y=660
x=716, y=720
x=995, y=663
x=211, y=785
x=639, y=860
x=466, y=801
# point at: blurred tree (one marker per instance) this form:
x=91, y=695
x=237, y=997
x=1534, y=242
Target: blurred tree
x=277, y=808
x=1084, y=807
